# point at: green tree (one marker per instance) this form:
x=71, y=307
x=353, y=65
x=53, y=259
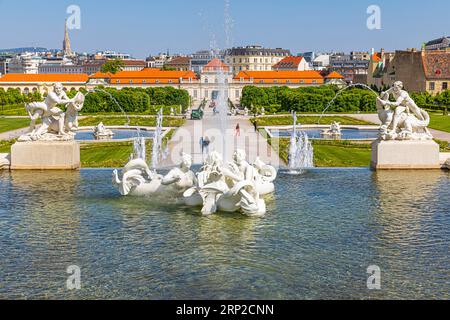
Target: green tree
x=113, y=66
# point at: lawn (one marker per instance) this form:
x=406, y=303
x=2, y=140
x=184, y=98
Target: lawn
x=134, y=121
x=5, y=146
x=105, y=155
x=8, y=124
x=287, y=120
x=112, y=154
x=333, y=153
x=440, y=122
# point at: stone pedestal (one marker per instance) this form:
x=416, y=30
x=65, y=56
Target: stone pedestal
x=45, y=156
x=405, y=155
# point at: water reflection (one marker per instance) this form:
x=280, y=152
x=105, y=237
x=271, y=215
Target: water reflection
x=322, y=230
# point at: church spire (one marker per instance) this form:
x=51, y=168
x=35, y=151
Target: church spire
x=67, y=50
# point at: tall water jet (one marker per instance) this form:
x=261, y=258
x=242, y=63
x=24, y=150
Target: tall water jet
x=301, y=151
x=157, y=140
x=139, y=148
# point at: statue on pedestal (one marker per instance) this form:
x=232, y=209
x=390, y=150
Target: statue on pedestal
x=402, y=119
x=57, y=125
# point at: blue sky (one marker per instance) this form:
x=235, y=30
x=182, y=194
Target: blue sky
x=148, y=27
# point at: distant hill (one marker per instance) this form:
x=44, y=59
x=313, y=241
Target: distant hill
x=28, y=49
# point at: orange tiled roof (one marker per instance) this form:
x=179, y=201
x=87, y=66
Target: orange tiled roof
x=334, y=75
x=34, y=78
x=215, y=65
x=147, y=76
x=281, y=76
x=288, y=63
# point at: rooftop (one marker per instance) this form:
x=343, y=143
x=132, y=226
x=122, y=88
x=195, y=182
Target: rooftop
x=216, y=65
x=288, y=63
x=34, y=78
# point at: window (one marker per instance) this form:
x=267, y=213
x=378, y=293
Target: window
x=431, y=87
x=206, y=80
x=237, y=94
x=144, y=81
x=195, y=93
x=444, y=85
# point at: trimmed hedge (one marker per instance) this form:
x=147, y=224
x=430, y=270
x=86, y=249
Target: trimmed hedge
x=316, y=99
x=137, y=100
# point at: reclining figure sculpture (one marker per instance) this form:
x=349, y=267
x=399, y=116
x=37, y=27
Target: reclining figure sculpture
x=236, y=187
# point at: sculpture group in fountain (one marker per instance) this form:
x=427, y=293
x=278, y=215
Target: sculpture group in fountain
x=236, y=187
x=57, y=125
x=402, y=119
x=101, y=132
x=334, y=131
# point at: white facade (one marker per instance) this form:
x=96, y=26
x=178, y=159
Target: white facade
x=26, y=63
x=321, y=62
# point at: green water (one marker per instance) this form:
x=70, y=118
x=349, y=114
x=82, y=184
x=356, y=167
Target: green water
x=323, y=229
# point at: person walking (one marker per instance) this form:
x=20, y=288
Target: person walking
x=202, y=144
x=255, y=124
x=238, y=130
x=207, y=142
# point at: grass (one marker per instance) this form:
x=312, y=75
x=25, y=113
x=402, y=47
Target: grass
x=440, y=122
x=443, y=145
x=7, y=124
x=5, y=146
x=105, y=155
x=287, y=120
x=332, y=153
x=112, y=154
x=134, y=121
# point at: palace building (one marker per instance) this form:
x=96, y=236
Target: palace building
x=216, y=76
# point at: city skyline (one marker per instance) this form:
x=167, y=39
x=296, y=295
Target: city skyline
x=200, y=24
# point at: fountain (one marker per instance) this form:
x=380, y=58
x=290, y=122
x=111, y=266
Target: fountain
x=139, y=149
x=102, y=133
x=301, y=152
x=339, y=93
x=334, y=131
x=114, y=100
x=157, y=140
x=236, y=187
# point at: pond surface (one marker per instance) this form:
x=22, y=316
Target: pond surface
x=119, y=134
x=347, y=134
x=322, y=231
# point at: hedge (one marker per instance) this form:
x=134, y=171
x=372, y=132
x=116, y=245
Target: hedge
x=316, y=99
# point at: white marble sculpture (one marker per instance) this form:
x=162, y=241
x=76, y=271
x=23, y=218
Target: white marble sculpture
x=139, y=180
x=334, y=131
x=57, y=125
x=236, y=187
x=402, y=119
x=101, y=132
